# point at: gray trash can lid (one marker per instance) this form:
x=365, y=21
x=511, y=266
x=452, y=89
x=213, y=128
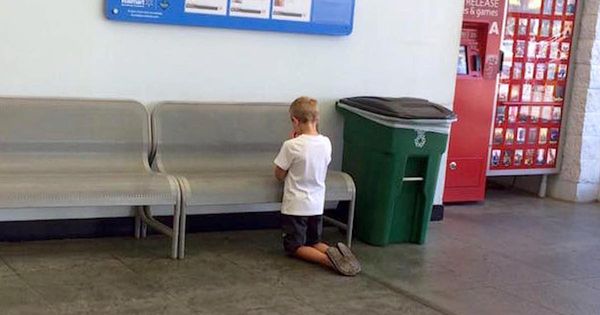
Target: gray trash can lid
x=403, y=107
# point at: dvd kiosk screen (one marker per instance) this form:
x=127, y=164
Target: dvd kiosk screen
x=525, y=6
x=462, y=67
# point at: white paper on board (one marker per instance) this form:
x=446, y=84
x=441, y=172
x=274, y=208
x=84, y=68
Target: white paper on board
x=214, y=7
x=292, y=10
x=250, y=8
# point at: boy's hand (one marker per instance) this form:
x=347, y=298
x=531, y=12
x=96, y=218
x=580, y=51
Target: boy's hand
x=280, y=174
x=293, y=134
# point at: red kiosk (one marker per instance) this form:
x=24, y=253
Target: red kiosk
x=526, y=100
x=477, y=73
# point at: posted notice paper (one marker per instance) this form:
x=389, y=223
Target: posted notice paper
x=292, y=10
x=250, y=8
x=215, y=7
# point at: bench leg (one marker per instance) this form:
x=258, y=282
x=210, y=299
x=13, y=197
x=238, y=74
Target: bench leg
x=148, y=220
x=182, y=224
x=144, y=226
x=350, y=224
x=138, y=223
x=176, y=231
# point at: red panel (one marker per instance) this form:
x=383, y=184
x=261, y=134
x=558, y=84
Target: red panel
x=469, y=141
x=466, y=173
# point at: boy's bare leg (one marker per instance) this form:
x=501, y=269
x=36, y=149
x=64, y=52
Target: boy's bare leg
x=314, y=255
x=322, y=247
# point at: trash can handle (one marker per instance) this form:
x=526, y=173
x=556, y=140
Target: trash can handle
x=413, y=179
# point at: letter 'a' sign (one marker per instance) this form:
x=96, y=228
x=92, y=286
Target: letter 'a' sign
x=325, y=17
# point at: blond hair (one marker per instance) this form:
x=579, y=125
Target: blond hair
x=305, y=109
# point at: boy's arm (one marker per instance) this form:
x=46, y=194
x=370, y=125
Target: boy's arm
x=280, y=173
x=282, y=162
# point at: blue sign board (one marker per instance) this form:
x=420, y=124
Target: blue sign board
x=327, y=17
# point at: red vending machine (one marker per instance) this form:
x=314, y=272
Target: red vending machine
x=528, y=122
x=478, y=67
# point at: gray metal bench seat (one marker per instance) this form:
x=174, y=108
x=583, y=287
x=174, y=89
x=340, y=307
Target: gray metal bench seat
x=79, y=153
x=79, y=190
x=249, y=187
x=222, y=154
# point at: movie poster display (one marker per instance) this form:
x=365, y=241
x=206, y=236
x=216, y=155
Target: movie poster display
x=537, y=48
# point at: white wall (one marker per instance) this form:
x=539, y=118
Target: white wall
x=68, y=48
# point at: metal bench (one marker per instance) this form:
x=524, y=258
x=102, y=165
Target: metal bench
x=77, y=153
x=222, y=154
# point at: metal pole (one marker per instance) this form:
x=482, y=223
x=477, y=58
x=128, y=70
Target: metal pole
x=543, y=187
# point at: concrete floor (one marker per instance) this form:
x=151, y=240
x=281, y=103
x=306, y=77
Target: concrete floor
x=515, y=254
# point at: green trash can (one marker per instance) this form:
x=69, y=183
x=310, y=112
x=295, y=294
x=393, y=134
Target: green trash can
x=392, y=149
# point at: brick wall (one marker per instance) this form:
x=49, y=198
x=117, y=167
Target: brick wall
x=579, y=179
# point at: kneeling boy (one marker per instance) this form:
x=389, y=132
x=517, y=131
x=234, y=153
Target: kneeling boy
x=302, y=164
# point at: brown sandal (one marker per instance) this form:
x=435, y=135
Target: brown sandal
x=346, y=252
x=340, y=262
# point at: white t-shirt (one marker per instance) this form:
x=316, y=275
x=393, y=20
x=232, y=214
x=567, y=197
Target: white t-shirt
x=306, y=159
